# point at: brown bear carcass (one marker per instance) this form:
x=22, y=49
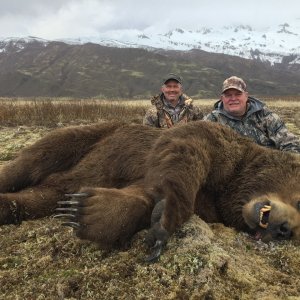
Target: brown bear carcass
x=112, y=180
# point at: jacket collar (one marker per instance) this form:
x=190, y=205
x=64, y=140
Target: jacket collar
x=253, y=105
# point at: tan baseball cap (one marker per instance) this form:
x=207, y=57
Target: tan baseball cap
x=234, y=82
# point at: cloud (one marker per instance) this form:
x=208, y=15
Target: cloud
x=74, y=18
x=30, y=7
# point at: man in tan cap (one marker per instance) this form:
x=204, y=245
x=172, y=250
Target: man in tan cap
x=171, y=106
x=251, y=117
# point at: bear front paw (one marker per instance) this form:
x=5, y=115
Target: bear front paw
x=106, y=216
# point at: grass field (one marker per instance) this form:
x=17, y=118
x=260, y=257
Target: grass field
x=42, y=260
x=23, y=121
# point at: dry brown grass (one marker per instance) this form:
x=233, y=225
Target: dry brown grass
x=42, y=260
x=53, y=112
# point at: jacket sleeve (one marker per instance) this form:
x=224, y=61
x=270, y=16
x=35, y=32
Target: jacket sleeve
x=150, y=118
x=279, y=134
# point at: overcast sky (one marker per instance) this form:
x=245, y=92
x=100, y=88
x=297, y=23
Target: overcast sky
x=52, y=19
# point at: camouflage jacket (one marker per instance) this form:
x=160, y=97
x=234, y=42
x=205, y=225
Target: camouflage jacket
x=259, y=123
x=164, y=115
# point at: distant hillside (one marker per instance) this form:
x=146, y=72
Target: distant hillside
x=37, y=68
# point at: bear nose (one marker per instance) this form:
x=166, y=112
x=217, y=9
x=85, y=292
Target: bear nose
x=284, y=231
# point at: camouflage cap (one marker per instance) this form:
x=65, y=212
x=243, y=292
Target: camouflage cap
x=172, y=76
x=234, y=82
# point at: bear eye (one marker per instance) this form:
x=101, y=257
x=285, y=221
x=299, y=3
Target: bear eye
x=298, y=205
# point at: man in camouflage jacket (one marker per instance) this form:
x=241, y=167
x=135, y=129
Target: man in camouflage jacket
x=171, y=106
x=251, y=117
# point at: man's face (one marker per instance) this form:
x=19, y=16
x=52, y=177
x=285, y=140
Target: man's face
x=172, y=90
x=235, y=102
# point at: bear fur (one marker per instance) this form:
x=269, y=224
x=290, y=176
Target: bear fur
x=123, y=178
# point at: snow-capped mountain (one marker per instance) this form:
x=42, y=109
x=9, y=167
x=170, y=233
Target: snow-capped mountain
x=38, y=67
x=268, y=44
x=275, y=44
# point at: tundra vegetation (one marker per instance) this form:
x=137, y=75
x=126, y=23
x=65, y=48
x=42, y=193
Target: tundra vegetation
x=40, y=259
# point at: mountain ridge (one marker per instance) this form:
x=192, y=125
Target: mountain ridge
x=271, y=44
x=37, y=67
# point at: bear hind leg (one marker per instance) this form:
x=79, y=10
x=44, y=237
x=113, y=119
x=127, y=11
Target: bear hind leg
x=32, y=203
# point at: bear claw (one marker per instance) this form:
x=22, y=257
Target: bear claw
x=64, y=216
x=74, y=225
x=69, y=202
x=77, y=195
x=156, y=252
x=69, y=210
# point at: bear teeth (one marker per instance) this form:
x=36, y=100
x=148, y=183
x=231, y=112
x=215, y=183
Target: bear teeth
x=264, y=216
